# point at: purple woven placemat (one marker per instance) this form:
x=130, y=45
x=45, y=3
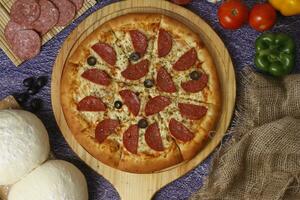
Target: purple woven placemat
x=239, y=43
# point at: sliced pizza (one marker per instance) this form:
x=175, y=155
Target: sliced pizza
x=190, y=123
x=147, y=147
x=141, y=93
x=136, y=33
x=183, y=64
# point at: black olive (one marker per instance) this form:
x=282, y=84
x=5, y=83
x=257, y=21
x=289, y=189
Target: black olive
x=32, y=90
x=36, y=104
x=148, y=83
x=41, y=81
x=91, y=60
x=28, y=82
x=135, y=56
x=142, y=123
x=22, y=98
x=118, y=104
x=194, y=75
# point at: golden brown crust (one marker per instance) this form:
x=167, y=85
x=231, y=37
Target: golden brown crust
x=208, y=66
x=112, y=151
x=143, y=163
x=203, y=129
x=146, y=21
x=179, y=30
x=191, y=148
x=108, y=152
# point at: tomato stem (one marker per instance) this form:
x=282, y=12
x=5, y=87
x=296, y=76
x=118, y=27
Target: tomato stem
x=234, y=12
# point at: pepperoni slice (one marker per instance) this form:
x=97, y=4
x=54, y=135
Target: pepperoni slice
x=24, y=12
x=11, y=29
x=105, y=128
x=164, y=43
x=179, y=131
x=139, y=41
x=91, y=103
x=78, y=4
x=186, y=61
x=164, y=81
x=48, y=17
x=191, y=111
x=136, y=71
x=131, y=139
x=67, y=11
x=153, y=138
x=106, y=52
x=97, y=76
x=156, y=105
x=26, y=44
x=194, y=86
x=131, y=100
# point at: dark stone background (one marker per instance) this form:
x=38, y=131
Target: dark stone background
x=240, y=44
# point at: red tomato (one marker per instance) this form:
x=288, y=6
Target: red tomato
x=181, y=2
x=233, y=14
x=262, y=17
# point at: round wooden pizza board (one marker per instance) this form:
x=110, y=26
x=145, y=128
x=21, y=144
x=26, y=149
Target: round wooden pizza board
x=143, y=186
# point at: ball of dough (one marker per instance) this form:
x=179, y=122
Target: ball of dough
x=54, y=180
x=24, y=144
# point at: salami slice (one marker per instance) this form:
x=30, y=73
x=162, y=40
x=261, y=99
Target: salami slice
x=24, y=12
x=97, y=76
x=164, y=43
x=91, y=103
x=186, y=61
x=66, y=10
x=191, y=111
x=164, y=81
x=131, y=139
x=11, y=28
x=136, y=71
x=26, y=44
x=156, y=104
x=153, y=138
x=48, y=17
x=179, y=131
x=105, y=128
x=139, y=41
x=106, y=52
x=78, y=4
x=131, y=100
x=194, y=86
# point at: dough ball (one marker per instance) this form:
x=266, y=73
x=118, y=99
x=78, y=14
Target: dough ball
x=24, y=144
x=54, y=180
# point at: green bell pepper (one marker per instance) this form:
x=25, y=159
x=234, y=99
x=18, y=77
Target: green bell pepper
x=275, y=53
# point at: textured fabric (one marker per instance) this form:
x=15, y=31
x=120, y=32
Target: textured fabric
x=240, y=46
x=262, y=161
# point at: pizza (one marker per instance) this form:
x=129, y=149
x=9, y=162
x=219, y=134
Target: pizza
x=141, y=93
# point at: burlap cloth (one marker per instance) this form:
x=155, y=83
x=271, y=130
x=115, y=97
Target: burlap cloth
x=262, y=160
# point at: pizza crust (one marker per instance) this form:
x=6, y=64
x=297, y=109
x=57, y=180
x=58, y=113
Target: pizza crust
x=143, y=163
x=208, y=66
x=145, y=21
x=108, y=152
x=191, y=148
x=179, y=30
